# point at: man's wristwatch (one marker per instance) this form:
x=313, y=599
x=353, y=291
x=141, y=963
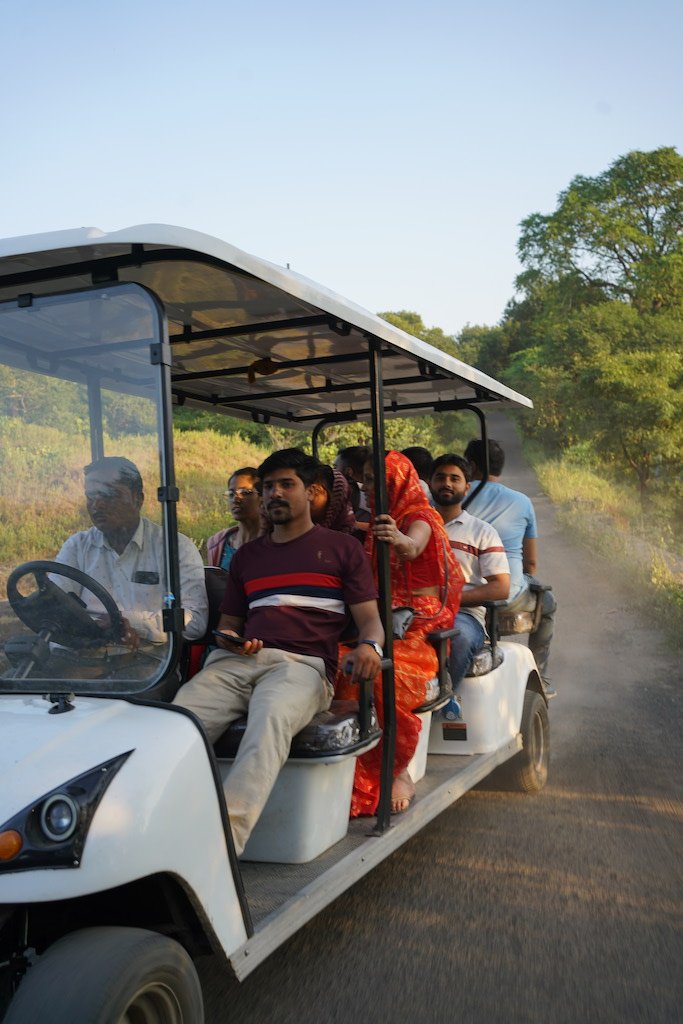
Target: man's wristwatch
x=375, y=646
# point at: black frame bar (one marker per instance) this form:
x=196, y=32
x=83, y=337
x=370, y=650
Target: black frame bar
x=384, y=579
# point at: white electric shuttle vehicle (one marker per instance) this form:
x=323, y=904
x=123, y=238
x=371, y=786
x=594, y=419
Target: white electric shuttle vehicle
x=117, y=867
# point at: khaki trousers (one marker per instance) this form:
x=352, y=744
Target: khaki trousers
x=281, y=693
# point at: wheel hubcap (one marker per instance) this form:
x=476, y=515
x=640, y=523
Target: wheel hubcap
x=154, y=1004
x=538, y=745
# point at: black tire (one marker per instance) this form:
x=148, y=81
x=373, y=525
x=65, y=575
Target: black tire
x=527, y=771
x=110, y=976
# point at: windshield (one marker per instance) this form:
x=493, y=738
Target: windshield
x=80, y=468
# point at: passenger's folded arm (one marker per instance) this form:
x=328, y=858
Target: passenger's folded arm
x=496, y=588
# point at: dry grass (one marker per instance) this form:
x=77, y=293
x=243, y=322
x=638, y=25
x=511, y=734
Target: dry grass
x=640, y=544
x=42, y=471
x=204, y=460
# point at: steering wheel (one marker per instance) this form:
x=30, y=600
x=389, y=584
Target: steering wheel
x=62, y=613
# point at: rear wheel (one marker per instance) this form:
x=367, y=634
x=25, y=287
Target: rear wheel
x=110, y=976
x=527, y=771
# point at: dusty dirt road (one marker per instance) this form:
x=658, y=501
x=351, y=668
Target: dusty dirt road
x=560, y=907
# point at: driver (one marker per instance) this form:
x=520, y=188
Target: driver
x=124, y=552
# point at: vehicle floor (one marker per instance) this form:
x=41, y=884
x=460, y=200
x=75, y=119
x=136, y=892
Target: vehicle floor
x=270, y=886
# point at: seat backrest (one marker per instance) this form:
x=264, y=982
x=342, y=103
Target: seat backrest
x=510, y=623
x=194, y=651
x=215, y=580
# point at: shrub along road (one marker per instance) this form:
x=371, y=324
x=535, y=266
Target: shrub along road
x=560, y=907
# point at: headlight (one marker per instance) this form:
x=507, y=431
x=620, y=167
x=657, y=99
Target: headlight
x=59, y=817
x=51, y=832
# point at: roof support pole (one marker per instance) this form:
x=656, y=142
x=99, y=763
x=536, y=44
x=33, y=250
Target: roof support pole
x=335, y=417
x=485, y=441
x=167, y=495
x=317, y=430
x=95, y=415
x=384, y=580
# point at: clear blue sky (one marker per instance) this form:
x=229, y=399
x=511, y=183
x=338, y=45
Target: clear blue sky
x=386, y=149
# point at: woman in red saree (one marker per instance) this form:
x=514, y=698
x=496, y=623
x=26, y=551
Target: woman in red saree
x=426, y=576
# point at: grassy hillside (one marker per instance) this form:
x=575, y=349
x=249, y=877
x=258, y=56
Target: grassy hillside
x=45, y=469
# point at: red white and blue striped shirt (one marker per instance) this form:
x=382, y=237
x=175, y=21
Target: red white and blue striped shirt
x=295, y=596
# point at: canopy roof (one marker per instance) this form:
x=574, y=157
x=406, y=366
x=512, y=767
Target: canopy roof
x=250, y=338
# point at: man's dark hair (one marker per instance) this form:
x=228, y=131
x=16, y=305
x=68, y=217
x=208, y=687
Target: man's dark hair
x=475, y=453
x=421, y=458
x=450, y=459
x=127, y=472
x=305, y=466
x=354, y=457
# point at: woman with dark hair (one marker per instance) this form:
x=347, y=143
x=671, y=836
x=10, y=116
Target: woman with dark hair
x=245, y=505
x=331, y=506
x=350, y=463
x=425, y=576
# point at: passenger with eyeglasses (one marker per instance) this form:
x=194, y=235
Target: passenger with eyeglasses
x=245, y=506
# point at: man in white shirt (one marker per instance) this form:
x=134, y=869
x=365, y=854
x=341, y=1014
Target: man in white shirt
x=512, y=514
x=481, y=554
x=124, y=552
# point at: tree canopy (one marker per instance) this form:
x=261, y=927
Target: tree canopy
x=616, y=236
x=595, y=332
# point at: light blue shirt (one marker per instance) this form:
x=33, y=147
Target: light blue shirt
x=513, y=516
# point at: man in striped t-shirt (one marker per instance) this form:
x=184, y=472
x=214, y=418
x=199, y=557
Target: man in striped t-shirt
x=481, y=554
x=286, y=604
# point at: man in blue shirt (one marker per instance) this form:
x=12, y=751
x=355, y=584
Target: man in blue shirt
x=513, y=516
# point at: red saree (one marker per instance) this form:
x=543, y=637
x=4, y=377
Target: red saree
x=415, y=661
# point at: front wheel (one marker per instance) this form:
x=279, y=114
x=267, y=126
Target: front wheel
x=527, y=771
x=110, y=976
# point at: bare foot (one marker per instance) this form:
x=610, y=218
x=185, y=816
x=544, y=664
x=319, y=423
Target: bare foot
x=402, y=792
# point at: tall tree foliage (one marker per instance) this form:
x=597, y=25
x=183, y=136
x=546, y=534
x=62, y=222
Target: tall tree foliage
x=615, y=236
x=595, y=333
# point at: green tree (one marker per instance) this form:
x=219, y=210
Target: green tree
x=487, y=348
x=437, y=433
x=412, y=323
x=612, y=378
x=595, y=334
x=615, y=236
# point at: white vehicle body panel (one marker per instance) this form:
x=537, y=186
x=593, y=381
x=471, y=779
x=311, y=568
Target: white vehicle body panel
x=491, y=705
x=159, y=814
